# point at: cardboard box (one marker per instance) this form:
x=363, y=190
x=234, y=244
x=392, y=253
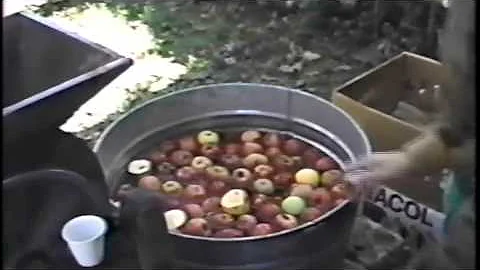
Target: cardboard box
x=385, y=131
x=418, y=205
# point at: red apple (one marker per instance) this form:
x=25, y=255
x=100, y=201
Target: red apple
x=320, y=197
x=221, y=221
x=246, y=222
x=200, y=163
x=188, y=144
x=158, y=157
x=165, y=168
x=272, y=152
x=263, y=171
x=286, y=221
x=262, y=229
x=211, y=204
x=218, y=187
x=167, y=146
x=218, y=173
x=233, y=149
x=293, y=147
x=283, y=179
x=228, y=233
x=331, y=177
x=211, y=151
x=172, y=203
x=150, y=182
x=231, y=161
x=297, y=163
x=259, y=200
x=242, y=178
x=310, y=157
x=186, y=174
x=251, y=147
x=301, y=190
x=283, y=163
x=252, y=160
x=339, y=191
x=181, y=158
x=272, y=140
x=196, y=226
x=310, y=213
x=195, y=192
x=325, y=164
x=338, y=201
x=194, y=210
x=250, y=136
x=267, y=212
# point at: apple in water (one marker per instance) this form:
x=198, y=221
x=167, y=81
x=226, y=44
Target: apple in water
x=220, y=221
x=231, y=161
x=331, y=177
x=208, y=137
x=175, y=218
x=218, y=173
x=293, y=205
x=307, y=176
x=172, y=187
x=272, y=152
x=228, y=233
x=320, y=197
x=310, y=157
x=262, y=229
x=235, y=202
x=301, y=190
x=211, y=204
x=325, y=164
x=283, y=163
x=188, y=144
x=165, y=168
x=286, y=221
x=310, y=213
x=196, y=192
x=218, y=187
x=293, y=147
x=246, y=222
x=250, y=136
x=167, y=146
x=264, y=186
x=339, y=191
x=258, y=200
x=272, y=140
x=194, y=210
x=196, y=226
x=186, y=174
x=267, y=212
x=150, y=182
x=242, y=178
x=158, y=157
x=201, y=163
x=255, y=159
x=233, y=149
x=181, y=158
x=283, y=179
x=251, y=147
x=211, y=151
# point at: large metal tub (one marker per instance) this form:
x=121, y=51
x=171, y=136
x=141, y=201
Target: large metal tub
x=321, y=243
x=48, y=73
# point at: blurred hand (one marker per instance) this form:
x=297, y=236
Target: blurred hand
x=378, y=169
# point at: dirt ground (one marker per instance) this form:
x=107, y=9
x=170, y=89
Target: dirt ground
x=310, y=45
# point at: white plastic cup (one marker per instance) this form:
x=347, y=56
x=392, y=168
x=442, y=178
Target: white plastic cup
x=85, y=236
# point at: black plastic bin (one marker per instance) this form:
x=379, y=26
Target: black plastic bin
x=48, y=73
